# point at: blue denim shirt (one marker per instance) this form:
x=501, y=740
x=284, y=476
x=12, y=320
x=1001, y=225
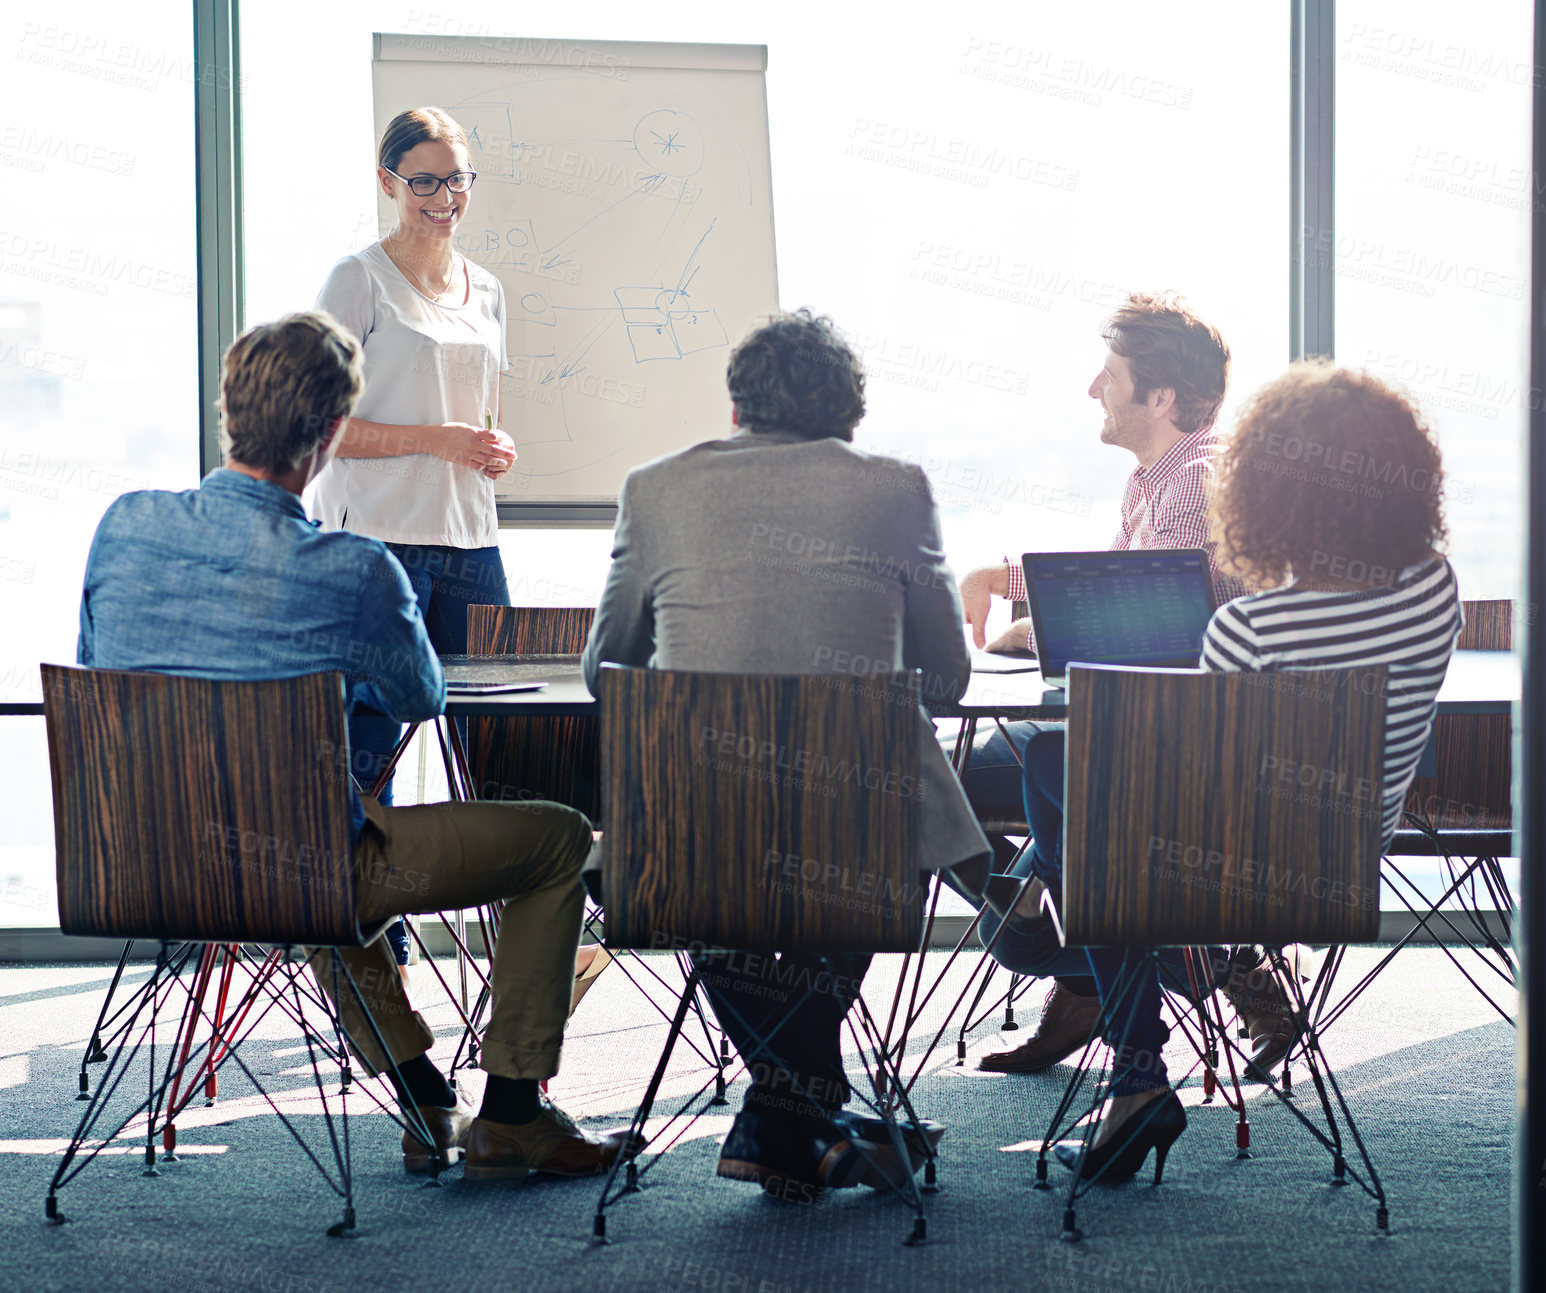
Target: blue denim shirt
x=230, y=580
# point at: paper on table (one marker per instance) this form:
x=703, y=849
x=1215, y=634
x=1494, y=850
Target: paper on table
x=454, y=687
x=984, y=662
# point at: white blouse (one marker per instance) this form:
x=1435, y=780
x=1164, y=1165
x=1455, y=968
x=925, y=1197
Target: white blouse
x=426, y=362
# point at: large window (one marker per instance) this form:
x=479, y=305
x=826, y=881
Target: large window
x=98, y=389
x=1433, y=196
x=968, y=198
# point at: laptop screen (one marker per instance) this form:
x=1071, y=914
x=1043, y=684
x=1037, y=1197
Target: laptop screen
x=1133, y=608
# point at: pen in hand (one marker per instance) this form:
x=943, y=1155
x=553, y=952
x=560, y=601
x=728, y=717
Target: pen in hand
x=492, y=472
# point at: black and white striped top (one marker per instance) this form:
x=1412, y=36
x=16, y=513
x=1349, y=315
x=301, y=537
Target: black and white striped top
x=1410, y=625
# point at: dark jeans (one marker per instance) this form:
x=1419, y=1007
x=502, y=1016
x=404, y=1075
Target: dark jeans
x=1133, y=1027
x=446, y=582
x=785, y=1016
x=994, y=784
x=993, y=778
x=1030, y=944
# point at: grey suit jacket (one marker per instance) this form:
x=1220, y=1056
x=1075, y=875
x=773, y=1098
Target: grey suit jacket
x=766, y=553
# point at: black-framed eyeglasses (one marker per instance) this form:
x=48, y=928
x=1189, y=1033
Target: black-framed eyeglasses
x=426, y=186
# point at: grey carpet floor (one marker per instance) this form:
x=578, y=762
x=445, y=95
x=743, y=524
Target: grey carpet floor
x=1426, y=1066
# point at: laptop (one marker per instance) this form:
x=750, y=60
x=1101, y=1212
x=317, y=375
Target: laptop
x=1145, y=608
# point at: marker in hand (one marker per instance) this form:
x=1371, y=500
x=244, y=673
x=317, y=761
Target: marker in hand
x=488, y=425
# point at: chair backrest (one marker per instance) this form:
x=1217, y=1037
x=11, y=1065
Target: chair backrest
x=539, y=757
x=1489, y=626
x=528, y=630
x=760, y=813
x=1472, y=787
x=195, y=810
x=1223, y=807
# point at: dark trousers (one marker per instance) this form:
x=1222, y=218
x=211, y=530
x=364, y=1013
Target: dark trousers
x=993, y=778
x=785, y=1016
x=1030, y=944
x=446, y=581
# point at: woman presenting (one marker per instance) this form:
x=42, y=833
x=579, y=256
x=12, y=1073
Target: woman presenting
x=415, y=467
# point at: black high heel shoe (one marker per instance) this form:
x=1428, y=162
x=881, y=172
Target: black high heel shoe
x=1157, y=1126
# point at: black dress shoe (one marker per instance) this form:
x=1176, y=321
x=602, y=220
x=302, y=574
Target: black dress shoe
x=792, y=1158
x=1156, y=1125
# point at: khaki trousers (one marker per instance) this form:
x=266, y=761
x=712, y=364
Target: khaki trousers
x=444, y=857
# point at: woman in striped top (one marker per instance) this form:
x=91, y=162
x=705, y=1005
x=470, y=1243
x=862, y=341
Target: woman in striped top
x=1344, y=539
x=1327, y=497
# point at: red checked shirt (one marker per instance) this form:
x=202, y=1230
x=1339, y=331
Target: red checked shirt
x=1164, y=506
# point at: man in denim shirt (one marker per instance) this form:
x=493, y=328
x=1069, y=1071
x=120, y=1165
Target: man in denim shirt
x=232, y=581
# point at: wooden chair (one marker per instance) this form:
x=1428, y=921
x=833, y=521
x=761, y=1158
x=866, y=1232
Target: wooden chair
x=1211, y=832
x=196, y=812
x=705, y=778
x=1461, y=812
x=533, y=758
x=1470, y=789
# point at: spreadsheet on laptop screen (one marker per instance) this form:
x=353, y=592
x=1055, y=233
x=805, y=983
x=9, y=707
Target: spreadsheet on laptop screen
x=1138, y=608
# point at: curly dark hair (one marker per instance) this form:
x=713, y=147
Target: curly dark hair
x=797, y=374
x=1329, y=472
x=1168, y=345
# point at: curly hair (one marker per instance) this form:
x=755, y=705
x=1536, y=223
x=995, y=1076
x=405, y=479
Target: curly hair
x=797, y=374
x=1168, y=345
x=1329, y=472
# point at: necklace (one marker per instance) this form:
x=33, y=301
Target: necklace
x=424, y=287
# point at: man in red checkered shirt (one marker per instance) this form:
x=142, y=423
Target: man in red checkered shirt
x=1160, y=388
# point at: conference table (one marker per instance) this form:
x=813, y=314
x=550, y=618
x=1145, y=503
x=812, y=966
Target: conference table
x=1002, y=689
x=1478, y=682
x=563, y=693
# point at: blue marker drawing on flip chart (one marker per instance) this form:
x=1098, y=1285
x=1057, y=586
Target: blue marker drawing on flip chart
x=670, y=141
x=660, y=322
x=629, y=219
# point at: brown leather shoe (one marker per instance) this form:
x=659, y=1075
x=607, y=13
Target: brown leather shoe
x=1067, y=1022
x=448, y=1127
x=1268, y=1016
x=501, y=1151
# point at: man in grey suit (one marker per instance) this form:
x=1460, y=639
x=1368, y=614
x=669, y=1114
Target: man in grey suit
x=782, y=549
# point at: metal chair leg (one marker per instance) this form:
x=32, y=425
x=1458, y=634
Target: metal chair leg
x=94, y=1053
x=1009, y=1025
x=641, y=1116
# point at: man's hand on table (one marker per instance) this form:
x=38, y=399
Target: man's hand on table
x=1015, y=640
